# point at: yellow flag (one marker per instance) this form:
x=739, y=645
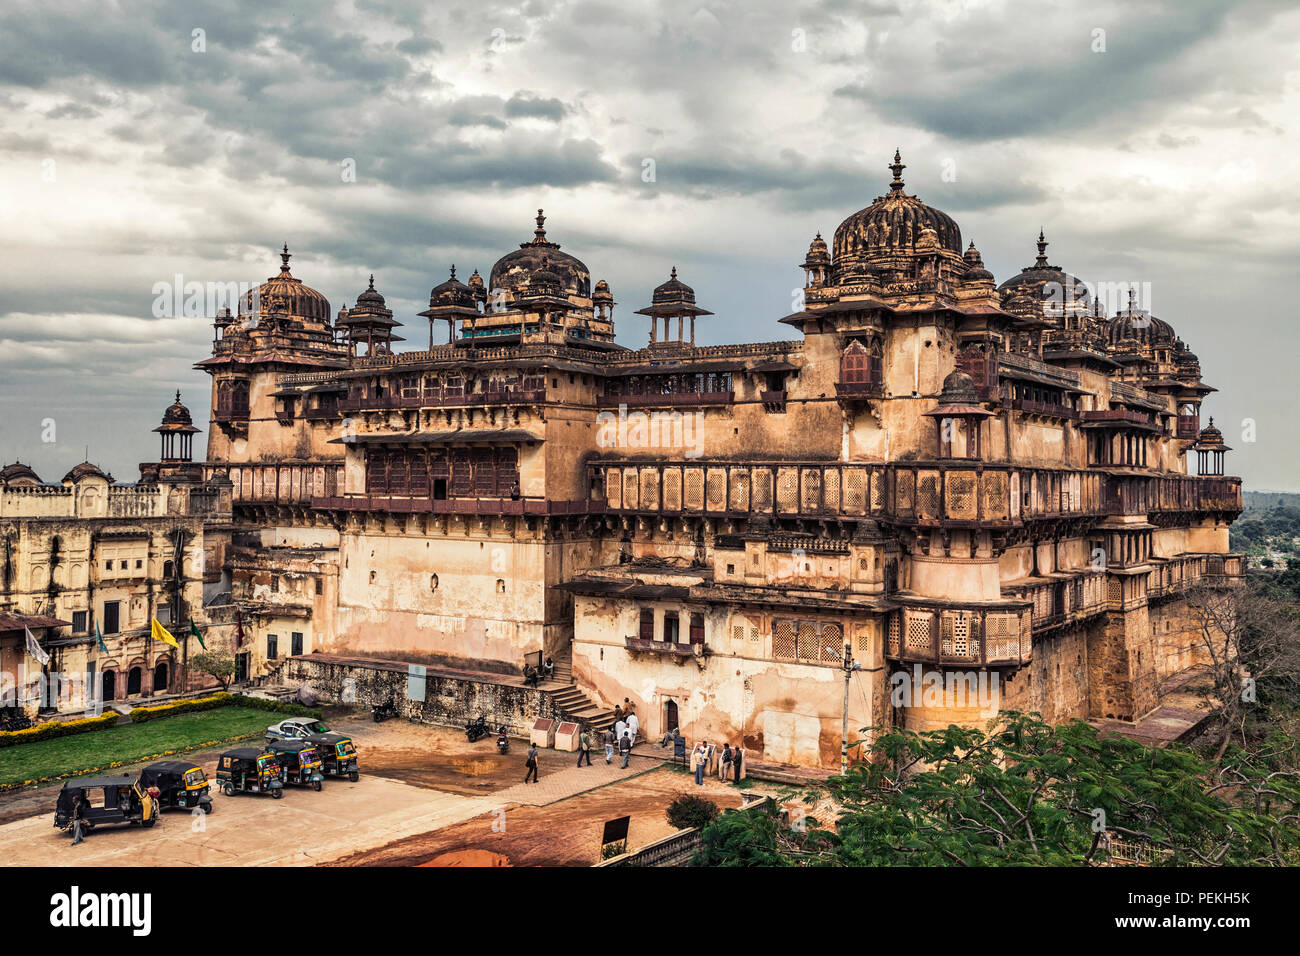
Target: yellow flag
x=160, y=634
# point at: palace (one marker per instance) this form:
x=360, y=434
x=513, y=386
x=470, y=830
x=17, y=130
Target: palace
x=927, y=469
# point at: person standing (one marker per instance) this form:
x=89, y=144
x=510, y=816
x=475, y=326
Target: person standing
x=531, y=764
x=584, y=746
x=625, y=748
x=736, y=757
x=78, y=818
x=609, y=744
x=633, y=725
x=699, y=757
x=725, y=770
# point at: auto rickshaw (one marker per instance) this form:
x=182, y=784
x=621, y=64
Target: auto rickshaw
x=249, y=770
x=180, y=783
x=338, y=755
x=109, y=801
x=299, y=762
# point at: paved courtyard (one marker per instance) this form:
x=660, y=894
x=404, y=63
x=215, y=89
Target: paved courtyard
x=426, y=797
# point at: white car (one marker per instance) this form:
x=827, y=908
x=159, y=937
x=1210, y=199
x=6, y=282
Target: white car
x=296, y=728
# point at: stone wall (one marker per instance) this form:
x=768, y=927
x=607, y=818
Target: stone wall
x=450, y=698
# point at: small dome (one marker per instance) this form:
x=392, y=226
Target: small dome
x=958, y=389
x=18, y=474
x=86, y=470
x=818, y=254
x=602, y=292
x=673, y=292
x=544, y=281
x=454, y=292
x=475, y=280
x=1138, y=326
x=177, y=415
x=1028, y=292
x=1210, y=437
x=975, y=264
x=892, y=225
x=513, y=270
x=371, y=296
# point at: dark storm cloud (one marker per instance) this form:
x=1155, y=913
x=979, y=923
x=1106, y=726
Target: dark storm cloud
x=539, y=107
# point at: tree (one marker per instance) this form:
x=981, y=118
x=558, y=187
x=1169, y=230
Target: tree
x=690, y=811
x=217, y=664
x=1024, y=792
x=1252, y=645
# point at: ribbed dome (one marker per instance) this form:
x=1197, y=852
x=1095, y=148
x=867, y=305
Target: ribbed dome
x=673, y=292
x=1026, y=292
x=1135, y=325
x=18, y=473
x=602, y=292
x=371, y=297
x=891, y=226
x=818, y=254
x=513, y=270
x=1210, y=437
x=285, y=292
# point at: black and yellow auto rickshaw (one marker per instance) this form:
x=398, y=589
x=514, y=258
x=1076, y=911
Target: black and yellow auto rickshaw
x=249, y=770
x=107, y=801
x=180, y=783
x=299, y=762
x=338, y=755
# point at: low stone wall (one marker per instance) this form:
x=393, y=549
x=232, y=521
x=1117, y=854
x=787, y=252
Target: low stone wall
x=450, y=698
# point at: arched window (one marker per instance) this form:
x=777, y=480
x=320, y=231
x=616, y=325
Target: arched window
x=855, y=365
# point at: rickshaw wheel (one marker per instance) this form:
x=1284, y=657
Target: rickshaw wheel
x=353, y=776
x=316, y=784
x=277, y=794
x=150, y=822
x=207, y=808
x=229, y=790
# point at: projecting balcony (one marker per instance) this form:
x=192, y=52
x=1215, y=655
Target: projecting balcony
x=680, y=653
x=1045, y=409
x=443, y=398
x=773, y=401
x=666, y=400
x=858, y=391
x=1119, y=417
x=960, y=637
x=486, y=506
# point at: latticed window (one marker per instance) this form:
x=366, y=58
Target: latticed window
x=672, y=489
x=855, y=482
x=959, y=635
x=762, y=490
x=694, y=489
x=787, y=489
x=832, y=643
x=808, y=646
x=919, y=636
x=613, y=488
x=783, y=640
x=895, y=633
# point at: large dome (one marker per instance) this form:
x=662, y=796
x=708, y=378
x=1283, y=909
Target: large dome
x=515, y=269
x=284, y=292
x=892, y=225
x=1141, y=327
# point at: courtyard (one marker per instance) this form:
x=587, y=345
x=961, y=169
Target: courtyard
x=426, y=796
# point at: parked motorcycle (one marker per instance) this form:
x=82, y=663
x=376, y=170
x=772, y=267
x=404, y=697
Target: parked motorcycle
x=503, y=742
x=476, y=729
x=381, y=712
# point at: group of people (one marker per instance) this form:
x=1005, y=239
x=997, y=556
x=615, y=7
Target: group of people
x=726, y=761
x=534, y=675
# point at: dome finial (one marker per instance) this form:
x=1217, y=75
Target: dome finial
x=453, y=270
x=1042, y=249
x=284, y=259
x=897, y=166
x=674, y=272
x=539, y=234
x=372, y=282
x=178, y=401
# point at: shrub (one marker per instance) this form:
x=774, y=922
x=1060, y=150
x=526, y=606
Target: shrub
x=686, y=812
x=52, y=729
x=275, y=706
x=144, y=714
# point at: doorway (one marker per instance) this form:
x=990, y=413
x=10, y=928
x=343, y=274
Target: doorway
x=241, y=667
x=670, y=716
x=110, y=685
x=133, y=682
x=160, y=676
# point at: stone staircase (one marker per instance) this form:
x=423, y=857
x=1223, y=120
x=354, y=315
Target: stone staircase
x=573, y=703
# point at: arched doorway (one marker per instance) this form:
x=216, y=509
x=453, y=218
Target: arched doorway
x=109, y=684
x=670, y=716
x=160, y=676
x=133, y=679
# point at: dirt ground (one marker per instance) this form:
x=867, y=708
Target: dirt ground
x=426, y=797
x=566, y=833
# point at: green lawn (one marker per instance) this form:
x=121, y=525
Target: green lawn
x=99, y=748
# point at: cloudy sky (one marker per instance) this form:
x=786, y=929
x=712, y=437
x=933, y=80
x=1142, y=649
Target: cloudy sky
x=1153, y=143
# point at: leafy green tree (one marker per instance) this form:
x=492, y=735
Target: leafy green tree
x=217, y=664
x=1026, y=793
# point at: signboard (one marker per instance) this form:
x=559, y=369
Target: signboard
x=679, y=750
x=615, y=831
x=415, y=682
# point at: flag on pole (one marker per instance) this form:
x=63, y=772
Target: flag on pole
x=35, y=649
x=99, y=639
x=160, y=633
x=194, y=630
